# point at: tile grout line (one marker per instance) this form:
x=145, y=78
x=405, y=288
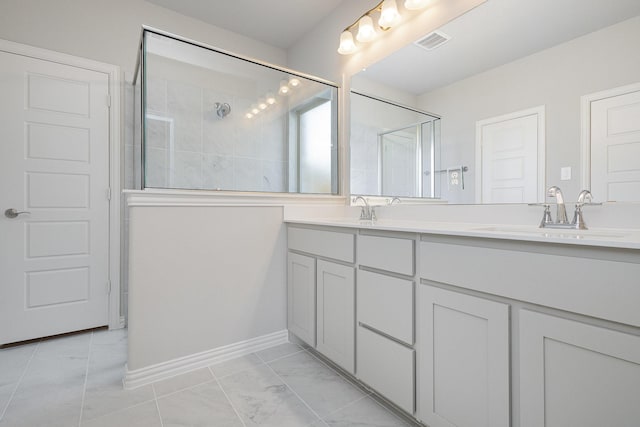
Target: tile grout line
x=367, y=394
x=294, y=392
x=227, y=396
x=237, y=372
x=24, y=372
x=281, y=357
x=155, y=400
x=86, y=376
x=397, y=416
x=364, y=396
x=351, y=381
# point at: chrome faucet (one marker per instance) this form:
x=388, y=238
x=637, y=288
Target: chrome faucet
x=561, y=217
x=367, y=212
x=561, y=210
x=394, y=200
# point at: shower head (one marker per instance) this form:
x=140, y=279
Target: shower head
x=222, y=109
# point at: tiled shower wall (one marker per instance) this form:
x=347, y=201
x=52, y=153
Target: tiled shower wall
x=189, y=146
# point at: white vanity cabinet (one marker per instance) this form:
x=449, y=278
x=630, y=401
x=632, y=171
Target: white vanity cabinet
x=576, y=374
x=321, y=291
x=386, y=317
x=576, y=352
x=336, y=313
x=464, y=360
x=469, y=331
x=301, y=297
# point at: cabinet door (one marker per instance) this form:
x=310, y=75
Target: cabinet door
x=301, y=297
x=336, y=313
x=574, y=374
x=463, y=360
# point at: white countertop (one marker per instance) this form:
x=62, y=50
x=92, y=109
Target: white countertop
x=603, y=237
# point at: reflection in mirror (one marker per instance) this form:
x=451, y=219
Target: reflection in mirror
x=575, y=65
x=394, y=149
x=214, y=121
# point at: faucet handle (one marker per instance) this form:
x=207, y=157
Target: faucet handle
x=546, y=216
x=578, y=219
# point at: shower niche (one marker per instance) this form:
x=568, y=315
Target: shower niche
x=207, y=119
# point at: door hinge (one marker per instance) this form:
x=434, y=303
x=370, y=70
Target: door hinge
x=108, y=287
x=109, y=193
x=109, y=101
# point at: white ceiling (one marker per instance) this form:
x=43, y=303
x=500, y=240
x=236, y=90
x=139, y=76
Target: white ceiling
x=495, y=33
x=279, y=23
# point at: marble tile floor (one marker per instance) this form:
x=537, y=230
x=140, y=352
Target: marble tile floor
x=76, y=380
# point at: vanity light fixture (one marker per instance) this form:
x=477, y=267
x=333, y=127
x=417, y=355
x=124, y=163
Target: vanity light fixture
x=347, y=45
x=294, y=81
x=387, y=13
x=366, y=32
x=415, y=4
x=284, y=88
x=271, y=99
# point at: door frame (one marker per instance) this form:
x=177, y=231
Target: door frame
x=541, y=160
x=115, y=172
x=585, y=125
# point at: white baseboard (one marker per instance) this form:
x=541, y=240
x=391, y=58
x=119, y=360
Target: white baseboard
x=171, y=368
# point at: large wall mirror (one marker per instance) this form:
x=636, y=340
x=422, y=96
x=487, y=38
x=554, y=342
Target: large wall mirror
x=529, y=94
x=394, y=149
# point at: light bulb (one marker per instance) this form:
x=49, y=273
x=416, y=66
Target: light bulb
x=389, y=15
x=248, y=115
x=262, y=104
x=294, y=81
x=347, y=45
x=366, y=32
x=284, y=88
x=254, y=109
x=415, y=4
x=271, y=99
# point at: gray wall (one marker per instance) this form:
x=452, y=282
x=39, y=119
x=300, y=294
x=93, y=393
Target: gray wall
x=109, y=31
x=203, y=277
x=557, y=78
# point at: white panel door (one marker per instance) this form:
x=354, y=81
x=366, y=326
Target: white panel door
x=510, y=158
x=615, y=148
x=574, y=374
x=463, y=360
x=336, y=313
x=301, y=297
x=54, y=166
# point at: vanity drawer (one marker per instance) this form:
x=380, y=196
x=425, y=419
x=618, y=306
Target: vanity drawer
x=386, y=304
x=387, y=253
x=578, y=280
x=330, y=244
x=387, y=367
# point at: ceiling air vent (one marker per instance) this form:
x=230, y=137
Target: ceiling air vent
x=433, y=40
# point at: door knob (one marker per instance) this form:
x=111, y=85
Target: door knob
x=12, y=213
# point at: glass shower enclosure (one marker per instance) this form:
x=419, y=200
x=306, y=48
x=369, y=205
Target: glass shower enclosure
x=212, y=120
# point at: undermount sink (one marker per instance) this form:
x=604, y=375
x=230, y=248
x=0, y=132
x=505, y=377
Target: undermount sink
x=552, y=232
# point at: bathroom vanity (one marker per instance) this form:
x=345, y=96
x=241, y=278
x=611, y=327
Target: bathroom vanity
x=468, y=325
